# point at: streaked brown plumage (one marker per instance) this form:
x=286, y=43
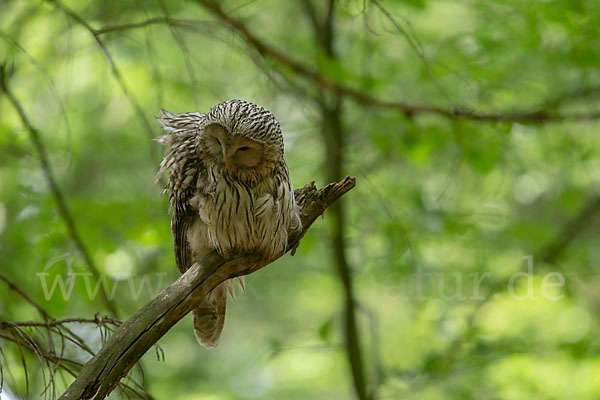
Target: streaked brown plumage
x=229, y=191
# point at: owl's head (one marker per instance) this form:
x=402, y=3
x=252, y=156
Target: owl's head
x=241, y=139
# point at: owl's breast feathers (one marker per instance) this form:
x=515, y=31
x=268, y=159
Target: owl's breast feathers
x=242, y=219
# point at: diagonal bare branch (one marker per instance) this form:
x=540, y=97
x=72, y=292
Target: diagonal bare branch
x=135, y=336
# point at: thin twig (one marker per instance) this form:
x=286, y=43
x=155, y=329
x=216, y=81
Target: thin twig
x=70, y=366
x=415, y=45
x=152, y=57
x=113, y=68
x=316, y=76
x=70, y=334
x=184, y=49
x=61, y=204
x=181, y=23
x=23, y=363
x=49, y=324
x=24, y=295
x=51, y=86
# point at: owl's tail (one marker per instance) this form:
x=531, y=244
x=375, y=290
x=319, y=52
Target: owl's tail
x=209, y=316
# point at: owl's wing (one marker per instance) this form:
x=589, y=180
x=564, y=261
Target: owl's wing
x=180, y=224
x=186, y=173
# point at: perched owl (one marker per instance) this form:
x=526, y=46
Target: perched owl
x=229, y=191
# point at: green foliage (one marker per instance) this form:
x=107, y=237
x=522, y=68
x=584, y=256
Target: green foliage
x=443, y=213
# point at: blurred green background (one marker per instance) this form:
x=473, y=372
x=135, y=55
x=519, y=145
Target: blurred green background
x=446, y=207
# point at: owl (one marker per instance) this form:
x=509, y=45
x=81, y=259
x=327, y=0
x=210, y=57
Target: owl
x=229, y=191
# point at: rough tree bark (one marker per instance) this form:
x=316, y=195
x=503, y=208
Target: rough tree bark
x=101, y=374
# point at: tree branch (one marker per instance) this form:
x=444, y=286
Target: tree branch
x=334, y=138
x=570, y=231
x=134, y=337
x=61, y=204
x=316, y=76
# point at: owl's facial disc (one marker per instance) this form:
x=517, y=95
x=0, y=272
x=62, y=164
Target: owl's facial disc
x=243, y=153
x=234, y=153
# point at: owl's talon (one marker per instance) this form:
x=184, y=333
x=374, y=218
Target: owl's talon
x=293, y=251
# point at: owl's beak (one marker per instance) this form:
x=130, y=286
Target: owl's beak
x=227, y=163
